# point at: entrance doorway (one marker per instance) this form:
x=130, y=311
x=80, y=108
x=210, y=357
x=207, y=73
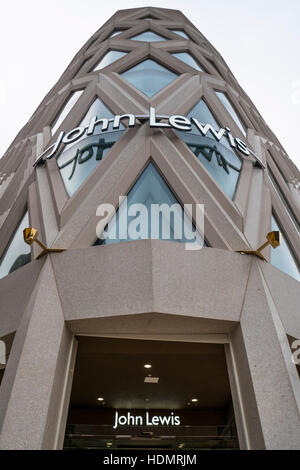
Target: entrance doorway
x=144, y=394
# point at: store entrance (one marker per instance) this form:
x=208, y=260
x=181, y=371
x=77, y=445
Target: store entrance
x=136, y=394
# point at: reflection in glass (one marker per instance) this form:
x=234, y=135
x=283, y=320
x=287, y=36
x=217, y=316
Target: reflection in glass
x=108, y=59
x=187, y=59
x=180, y=33
x=148, y=36
x=282, y=257
x=149, y=77
x=217, y=157
x=150, y=189
x=204, y=115
x=225, y=101
x=79, y=158
x=74, y=97
x=18, y=252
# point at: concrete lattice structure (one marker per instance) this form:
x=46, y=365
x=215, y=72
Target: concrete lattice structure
x=149, y=288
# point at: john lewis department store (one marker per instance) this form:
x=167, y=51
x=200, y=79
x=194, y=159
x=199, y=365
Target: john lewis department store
x=134, y=341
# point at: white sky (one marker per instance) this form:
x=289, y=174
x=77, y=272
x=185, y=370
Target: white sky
x=259, y=40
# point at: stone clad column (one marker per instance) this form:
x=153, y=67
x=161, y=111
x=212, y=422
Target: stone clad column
x=36, y=386
x=268, y=378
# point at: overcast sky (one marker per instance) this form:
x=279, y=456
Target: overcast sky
x=259, y=40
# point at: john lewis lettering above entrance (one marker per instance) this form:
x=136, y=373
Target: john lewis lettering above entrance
x=145, y=419
x=177, y=122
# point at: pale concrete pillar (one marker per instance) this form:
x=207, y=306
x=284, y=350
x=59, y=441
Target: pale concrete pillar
x=36, y=386
x=268, y=379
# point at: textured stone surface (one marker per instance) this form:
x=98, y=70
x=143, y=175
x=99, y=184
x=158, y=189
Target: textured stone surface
x=36, y=372
x=15, y=291
x=285, y=293
x=274, y=377
x=151, y=276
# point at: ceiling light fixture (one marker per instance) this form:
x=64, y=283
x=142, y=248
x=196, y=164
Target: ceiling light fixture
x=194, y=400
x=100, y=399
x=147, y=366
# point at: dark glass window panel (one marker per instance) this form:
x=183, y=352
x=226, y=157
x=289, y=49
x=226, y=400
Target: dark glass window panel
x=188, y=59
x=222, y=164
x=282, y=257
x=80, y=158
x=217, y=157
x=148, y=36
x=108, y=59
x=149, y=189
x=149, y=77
x=18, y=253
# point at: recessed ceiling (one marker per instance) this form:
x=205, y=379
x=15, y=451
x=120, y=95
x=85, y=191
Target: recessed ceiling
x=114, y=369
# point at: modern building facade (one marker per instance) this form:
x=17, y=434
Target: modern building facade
x=126, y=341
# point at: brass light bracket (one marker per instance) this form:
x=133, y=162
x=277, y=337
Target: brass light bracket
x=273, y=239
x=30, y=235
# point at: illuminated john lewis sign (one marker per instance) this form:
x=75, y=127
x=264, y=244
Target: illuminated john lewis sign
x=145, y=419
x=181, y=123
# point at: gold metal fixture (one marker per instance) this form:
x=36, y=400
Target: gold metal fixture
x=30, y=235
x=273, y=239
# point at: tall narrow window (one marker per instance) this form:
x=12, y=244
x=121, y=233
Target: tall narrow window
x=225, y=101
x=108, y=59
x=73, y=98
x=79, y=159
x=278, y=167
x=217, y=157
x=17, y=253
x=149, y=77
x=283, y=199
x=282, y=256
x=151, y=211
